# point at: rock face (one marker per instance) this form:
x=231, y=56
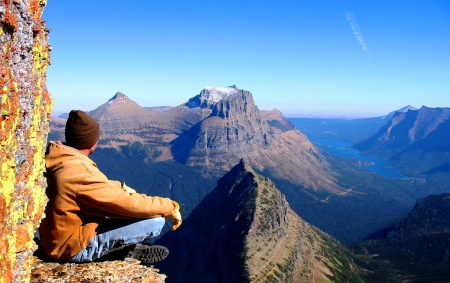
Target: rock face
x=25, y=112
x=245, y=231
x=234, y=128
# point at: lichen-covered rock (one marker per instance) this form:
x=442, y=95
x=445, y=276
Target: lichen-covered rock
x=24, y=124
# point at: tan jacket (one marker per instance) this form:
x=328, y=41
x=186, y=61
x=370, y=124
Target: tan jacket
x=80, y=197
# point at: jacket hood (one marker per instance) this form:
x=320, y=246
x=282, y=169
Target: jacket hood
x=59, y=155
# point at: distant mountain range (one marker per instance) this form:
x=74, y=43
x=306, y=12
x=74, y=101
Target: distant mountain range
x=212, y=131
x=416, y=141
x=352, y=130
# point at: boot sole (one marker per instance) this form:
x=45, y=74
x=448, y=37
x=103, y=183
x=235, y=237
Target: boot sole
x=149, y=254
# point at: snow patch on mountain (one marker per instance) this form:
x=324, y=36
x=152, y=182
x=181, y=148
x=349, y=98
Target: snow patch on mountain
x=215, y=94
x=211, y=95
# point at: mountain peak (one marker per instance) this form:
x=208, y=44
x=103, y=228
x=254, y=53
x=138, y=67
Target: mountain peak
x=210, y=95
x=214, y=94
x=401, y=110
x=242, y=164
x=118, y=103
x=118, y=95
x=117, y=107
x=406, y=109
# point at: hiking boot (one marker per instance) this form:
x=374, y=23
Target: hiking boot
x=149, y=254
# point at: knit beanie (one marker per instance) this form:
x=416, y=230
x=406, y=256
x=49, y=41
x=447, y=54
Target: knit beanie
x=82, y=131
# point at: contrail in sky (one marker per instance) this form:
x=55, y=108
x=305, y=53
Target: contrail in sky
x=354, y=24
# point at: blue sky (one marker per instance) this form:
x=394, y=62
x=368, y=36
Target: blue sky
x=305, y=58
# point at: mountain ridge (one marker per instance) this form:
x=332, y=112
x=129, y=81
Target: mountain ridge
x=415, y=141
x=245, y=231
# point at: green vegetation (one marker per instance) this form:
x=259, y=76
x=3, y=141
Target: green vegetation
x=373, y=203
x=417, y=246
x=287, y=268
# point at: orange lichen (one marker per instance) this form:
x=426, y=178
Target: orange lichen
x=10, y=18
x=24, y=124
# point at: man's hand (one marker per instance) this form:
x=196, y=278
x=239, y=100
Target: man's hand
x=127, y=189
x=176, y=216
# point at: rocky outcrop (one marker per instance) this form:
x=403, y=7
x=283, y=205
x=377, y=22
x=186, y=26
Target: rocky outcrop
x=118, y=271
x=25, y=111
x=245, y=231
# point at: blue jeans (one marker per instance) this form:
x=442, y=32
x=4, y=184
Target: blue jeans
x=115, y=234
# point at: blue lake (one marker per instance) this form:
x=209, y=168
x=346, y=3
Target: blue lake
x=343, y=149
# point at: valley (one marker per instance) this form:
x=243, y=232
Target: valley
x=370, y=163
x=182, y=152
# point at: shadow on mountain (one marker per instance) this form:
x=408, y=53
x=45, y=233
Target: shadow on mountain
x=181, y=146
x=418, y=246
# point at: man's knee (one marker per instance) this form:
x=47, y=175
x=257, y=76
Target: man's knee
x=155, y=224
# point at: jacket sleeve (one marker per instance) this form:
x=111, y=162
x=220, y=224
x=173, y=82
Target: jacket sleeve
x=99, y=196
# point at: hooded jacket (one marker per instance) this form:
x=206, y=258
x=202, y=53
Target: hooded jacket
x=80, y=197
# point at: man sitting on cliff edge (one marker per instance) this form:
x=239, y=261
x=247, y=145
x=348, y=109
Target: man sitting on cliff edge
x=89, y=216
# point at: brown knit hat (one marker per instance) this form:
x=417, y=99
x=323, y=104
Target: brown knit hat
x=82, y=131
